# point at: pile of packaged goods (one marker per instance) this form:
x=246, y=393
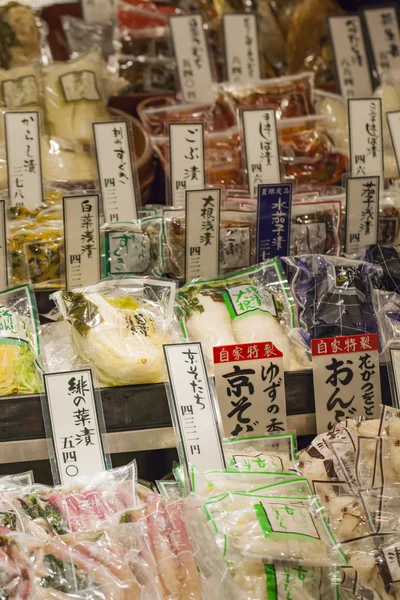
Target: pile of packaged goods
x=274, y=525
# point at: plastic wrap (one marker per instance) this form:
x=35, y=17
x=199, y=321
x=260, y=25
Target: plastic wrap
x=315, y=227
x=276, y=529
x=120, y=326
x=19, y=342
x=334, y=295
x=248, y=306
x=288, y=96
x=148, y=75
x=82, y=37
x=267, y=453
x=334, y=108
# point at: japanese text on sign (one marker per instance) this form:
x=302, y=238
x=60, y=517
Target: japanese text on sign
x=81, y=240
x=346, y=379
x=202, y=233
x=186, y=160
x=3, y=246
x=365, y=129
x=127, y=252
x=23, y=158
x=384, y=34
x=261, y=144
x=115, y=171
x=273, y=220
x=192, y=57
x=250, y=388
x=193, y=405
x=350, y=56
x=362, y=212
x=74, y=423
x=241, y=47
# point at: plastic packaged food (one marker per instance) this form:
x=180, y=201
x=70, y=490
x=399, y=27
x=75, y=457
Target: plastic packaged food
x=267, y=453
x=19, y=39
x=82, y=37
x=150, y=75
x=76, y=94
x=19, y=343
x=249, y=306
x=217, y=117
x=334, y=108
x=119, y=327
x=388, y=258
x=274, y=529
x=315, y=227
x=20, y=89
x=288, y=96
x=334, y=295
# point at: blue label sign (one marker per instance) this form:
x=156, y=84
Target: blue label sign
x=273, y=220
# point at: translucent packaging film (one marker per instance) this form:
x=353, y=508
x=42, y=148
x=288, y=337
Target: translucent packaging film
x=269, y=453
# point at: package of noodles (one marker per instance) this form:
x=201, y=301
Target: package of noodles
x=19, y=342
x=119, y=327
x=252, y=305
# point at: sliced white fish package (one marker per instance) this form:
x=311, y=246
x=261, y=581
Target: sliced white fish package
x=212, y=327
x=262, y=327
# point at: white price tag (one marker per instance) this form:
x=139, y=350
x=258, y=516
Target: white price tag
x=242, y=54
x=362, y=212
x=74, y=422
x=350, y=56
x=98, y=11
x=24, y=167
x=3, y=246
x=202, y=233
x=195, y=416
x=384, y=35
x=81, y=240
x=192, y=57
x=113, y=151
x=365, y=137
x=261, y=146
x=187, y=168
x=347, y=380
x=250, y=383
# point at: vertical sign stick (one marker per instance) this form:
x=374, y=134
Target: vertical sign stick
x=242, y=52
x=362, y=212
x=384, y=36
x=365, y=137
x=202, y=233
x=187, y=168
x=274, y=207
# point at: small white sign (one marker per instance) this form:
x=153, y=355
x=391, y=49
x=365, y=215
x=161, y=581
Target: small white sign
x=393, y=120
x=261, y=146
x=114, y=161
x=384, y=35
x=79, y=85
x=362, y=212
x=347, y=381
x=76, y=436
x=187, y=169
x=242, y=54
x=3, y=246
x=250, y=383
x=192, y=57
x=24, y=166
x=365, y=139
x=202, y=233
x=195, y=416
x=98, y=11
x=350, y=56
x=81, y=240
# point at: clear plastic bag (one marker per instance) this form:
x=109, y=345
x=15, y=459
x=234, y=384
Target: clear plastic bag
x=269, y=453
x=119, y=327
x=19, y=342
x=148, y=75
x=82, y=37
x=274, y=529
x=388, y=258
x=334, y=295
x=210, y=309
x=315, y=227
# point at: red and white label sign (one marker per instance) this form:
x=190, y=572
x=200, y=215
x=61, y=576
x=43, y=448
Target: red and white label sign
x=250, y=384
x=346, y=379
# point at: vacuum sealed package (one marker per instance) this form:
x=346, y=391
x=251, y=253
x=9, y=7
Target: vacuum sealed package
x=389, y=218
x=263, y=453
x=248, y=306
x=315, y=227
x=388, y=258
x=273, y=529
x=76, y=94
x=119, y=327
x=307, y=153
x=288, y=96
x=134, y=248
x=82, y=37
x=334, y=295
x=19, y=343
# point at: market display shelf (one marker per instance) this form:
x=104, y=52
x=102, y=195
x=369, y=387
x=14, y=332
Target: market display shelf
x=137, y=418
